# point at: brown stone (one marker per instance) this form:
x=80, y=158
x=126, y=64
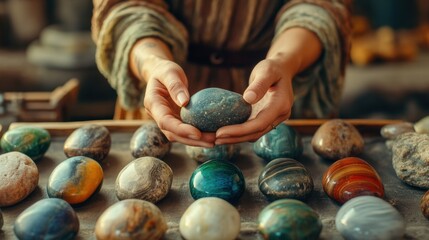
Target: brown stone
x=19, y=176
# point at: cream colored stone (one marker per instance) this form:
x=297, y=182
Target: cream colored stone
x=422, y=126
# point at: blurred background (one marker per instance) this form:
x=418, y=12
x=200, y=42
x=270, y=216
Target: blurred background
x=48, y=71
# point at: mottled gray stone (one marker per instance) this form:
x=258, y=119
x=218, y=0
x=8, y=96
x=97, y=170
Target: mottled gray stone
x=422, y=126
x=411, y=158
x=391, y=131
x=219, y=152
x=148, y=140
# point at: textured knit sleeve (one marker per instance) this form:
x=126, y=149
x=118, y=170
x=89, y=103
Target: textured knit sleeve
x=318, y=89
x=117, y=25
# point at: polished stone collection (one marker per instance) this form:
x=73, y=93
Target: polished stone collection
x=19, y=176
x=220, y=179
x=210, y=218
x=424, y=205
x=50, y=218
x=75, y=180
x=131, y=219
x=148, y=140
x=351, y=177
x=91, y=140
x=410, y=158
x=145, y=178
x=281, y=142
x=289, y=219
x=285, y=178
x=218, y=152
x=212, y=108
x=368, y=218
x=32, y=141
x=336, y=139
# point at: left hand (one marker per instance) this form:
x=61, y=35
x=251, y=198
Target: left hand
x=271, y=95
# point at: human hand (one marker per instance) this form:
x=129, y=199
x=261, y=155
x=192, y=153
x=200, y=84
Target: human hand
x=271, y=95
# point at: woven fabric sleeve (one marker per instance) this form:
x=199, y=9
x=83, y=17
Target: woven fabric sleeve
x=318, y=89
x=124, y=24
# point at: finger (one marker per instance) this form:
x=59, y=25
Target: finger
x=176, y=83
x=260, y=81
x=191, y=142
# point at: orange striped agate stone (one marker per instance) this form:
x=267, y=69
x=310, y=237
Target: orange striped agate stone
x=351, y=177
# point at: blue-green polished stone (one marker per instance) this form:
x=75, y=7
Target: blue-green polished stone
x=285, y=178
x=220, y=179
x=49, y=218
x=32, y=141
x=281, y=142
x=212, y=108
x=289, y=219
x=218, y=152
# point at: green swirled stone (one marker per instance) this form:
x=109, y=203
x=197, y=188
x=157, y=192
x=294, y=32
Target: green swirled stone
x=32, y=141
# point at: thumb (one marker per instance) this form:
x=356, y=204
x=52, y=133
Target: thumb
x=257, y=88
x=176, y=84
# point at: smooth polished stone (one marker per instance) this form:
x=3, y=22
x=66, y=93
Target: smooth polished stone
x=131, y=219
x=210, y=218
x=410, y=158
x=281, y=142
x=391, y=131
x=19, y=176
x=422, y=126
x=218, y=152
x=148, y=140
x=337, y=139
x=424, y=204
x=289, y=219
x=369, y=218
x=90, y=140
x=32, y=141
x=75, y=180
x=220, y=179
x=49, y=218
x=285, y=178
x=212, y=108
x=351, y=177
x=145, y=178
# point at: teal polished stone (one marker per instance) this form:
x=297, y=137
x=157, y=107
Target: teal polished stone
x=281, y=142
x=220, y=179
x=285, y=178
x=212, y=108
x=148, y=140
x=32, y=141
x=50, y=218
x=218, y=152
x=289, y=219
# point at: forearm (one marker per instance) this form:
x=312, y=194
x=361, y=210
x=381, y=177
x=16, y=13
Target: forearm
x=144, y=55
x=296, y=49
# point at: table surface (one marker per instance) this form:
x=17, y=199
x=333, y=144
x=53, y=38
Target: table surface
x=405, y=198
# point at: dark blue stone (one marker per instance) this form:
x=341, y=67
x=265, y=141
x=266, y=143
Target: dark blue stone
x=220, y=179
x=212, y=108
x=49, y=218
x=281, y=142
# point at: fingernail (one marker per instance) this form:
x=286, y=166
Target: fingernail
x=181, y=97
x=249, y=96
x=195, y=137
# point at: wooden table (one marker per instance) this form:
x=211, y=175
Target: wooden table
x=405, y=198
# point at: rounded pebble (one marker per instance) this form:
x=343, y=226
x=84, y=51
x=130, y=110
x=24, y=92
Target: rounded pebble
x=422, y=126
x=19, y=176
x=131, y=219
x=148, y=140
x=391, y=131
x=210, y=218
x=218, y=152
x=424, y=204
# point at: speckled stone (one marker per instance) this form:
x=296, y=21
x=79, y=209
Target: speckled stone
x=148, y=140
x=19, y=176
x=424, y=204
x=289, y=219
x=49, y=218
x=285, y=178
x=32, y=141
x=410, y=158
x=422, y=126
x=210, y=218
x=369, y=218
x=220, y=179
x=75, y=180
x=145, y=178
x=212, y=108
x=281, y=142
x=390, y=131
x=90, y=140
x=218, y=152
x=131, y=219
x=336, y=139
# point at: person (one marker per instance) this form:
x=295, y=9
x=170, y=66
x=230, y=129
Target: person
x=287, y=58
